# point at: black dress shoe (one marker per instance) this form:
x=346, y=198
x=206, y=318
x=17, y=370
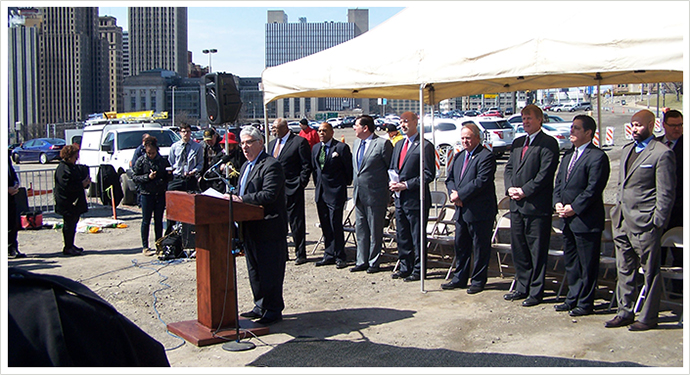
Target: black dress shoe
x=399, y=275
x=452, y=285
x=530, y=301
x=474, y=289
x=412, y=277
x=373, y=269
x=270, y=318
x=562, y=307
x=340, y=264
x=579, y=311
x=618, y=321
x=79, y=249
x=361, y=267
x=253, y=314
x=71, y=252
x=324, y=262
x=515, y=295
x=299, y=261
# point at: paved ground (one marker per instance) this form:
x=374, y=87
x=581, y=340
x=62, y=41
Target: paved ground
x=392, y=322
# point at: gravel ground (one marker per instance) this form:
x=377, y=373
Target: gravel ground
x=329, y=304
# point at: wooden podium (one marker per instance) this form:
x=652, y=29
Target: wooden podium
x=215, y=268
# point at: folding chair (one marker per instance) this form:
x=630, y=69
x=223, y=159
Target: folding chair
x=502, y=223
x=672, y=238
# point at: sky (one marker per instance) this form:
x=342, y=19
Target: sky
x=238, y=32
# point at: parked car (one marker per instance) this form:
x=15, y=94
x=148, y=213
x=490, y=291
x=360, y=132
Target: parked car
x=447, y=135
x=584, y=106
x=335, y=122
x=349, y=121
x=471, y=113
x=562, y=136
x=12, y=147
x=294, y=127
x=198, y=136
x=553, y=121
x=565, y=108
x=42, y=150
x=556, y=107
x=492, y=113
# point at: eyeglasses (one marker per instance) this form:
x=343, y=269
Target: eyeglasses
x=248, y=142
x=674, y=125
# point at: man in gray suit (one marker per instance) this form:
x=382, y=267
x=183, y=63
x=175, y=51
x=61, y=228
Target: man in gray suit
x=372, y=156
x=646, y=190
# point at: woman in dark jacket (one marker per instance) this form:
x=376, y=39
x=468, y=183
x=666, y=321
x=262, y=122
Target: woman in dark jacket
x=70, y=199
x=151, y=175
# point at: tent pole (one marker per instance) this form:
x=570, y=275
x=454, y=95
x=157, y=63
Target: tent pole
x=422, y=219
x=601, y=143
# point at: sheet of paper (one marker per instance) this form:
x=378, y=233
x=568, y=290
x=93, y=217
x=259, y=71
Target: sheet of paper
x=213, y=193
x=393, y=176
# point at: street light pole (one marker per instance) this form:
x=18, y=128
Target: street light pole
x=173, y=105
x=209, y=52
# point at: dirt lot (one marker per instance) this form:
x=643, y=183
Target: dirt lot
x=396, y=323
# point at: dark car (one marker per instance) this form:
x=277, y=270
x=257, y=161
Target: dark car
x=349, y=121
x=12, y=147
x=42, y=150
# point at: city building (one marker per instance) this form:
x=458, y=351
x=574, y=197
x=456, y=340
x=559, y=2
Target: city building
x=125, y=54
x=158, y=39
x=287, y=42
x=252, y=99
x=154, y=89
x=109, y=31
x=72, y=75
x=23, y=83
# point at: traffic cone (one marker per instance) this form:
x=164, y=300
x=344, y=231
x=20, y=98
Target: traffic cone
x=342, y=139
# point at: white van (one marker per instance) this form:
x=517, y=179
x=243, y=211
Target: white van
x=114, y=144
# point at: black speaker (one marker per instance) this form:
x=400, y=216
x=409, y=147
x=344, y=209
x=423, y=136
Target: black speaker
x=223, y=101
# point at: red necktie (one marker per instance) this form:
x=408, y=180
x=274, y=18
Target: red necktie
x=403, y=153
x=669, y=143
x=524, y=148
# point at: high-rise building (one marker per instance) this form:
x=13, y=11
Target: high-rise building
x=71, y=79
x=158, y=39
x=125, y=54
x=287, y=42
x=23, y=64
x=109, y=31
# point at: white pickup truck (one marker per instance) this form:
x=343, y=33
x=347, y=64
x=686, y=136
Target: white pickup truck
x=114, y=144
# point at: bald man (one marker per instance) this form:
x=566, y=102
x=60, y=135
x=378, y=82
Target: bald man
x=646, y=191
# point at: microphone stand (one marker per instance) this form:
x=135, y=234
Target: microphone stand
x=236, y=245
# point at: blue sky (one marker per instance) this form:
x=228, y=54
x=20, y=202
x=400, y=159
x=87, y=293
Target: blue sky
x=238, y=33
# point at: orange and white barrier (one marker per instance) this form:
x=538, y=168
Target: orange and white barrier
x=596, y=138
x=628, y=131
x=657, y=125
x=609, y=136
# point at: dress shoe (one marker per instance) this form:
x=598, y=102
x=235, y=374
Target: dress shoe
x=618, y=321
x=412, y=277
x=639, y=326
x=474, y=289
x=515, y=295
x=324, y=262
x=70, y=252
x=361, y=267
x=299, y=261
x=399, y=275
x=14, y=253
x=452, y=285
x=562, y=307
x=79, y=249
x=530, y=301
x=270, y=318
x=579, y=311
x=373, y=269
x=252, y=314
x=340, y=264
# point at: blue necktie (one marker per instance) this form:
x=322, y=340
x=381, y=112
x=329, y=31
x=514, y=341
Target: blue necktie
x=243, y=183
x=360, y=154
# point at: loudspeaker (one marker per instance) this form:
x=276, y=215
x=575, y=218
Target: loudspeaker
x=223, y=101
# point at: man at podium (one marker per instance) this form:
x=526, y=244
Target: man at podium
x=262, y=182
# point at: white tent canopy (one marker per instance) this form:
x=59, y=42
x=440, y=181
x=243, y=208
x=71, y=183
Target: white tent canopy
x=469, y=48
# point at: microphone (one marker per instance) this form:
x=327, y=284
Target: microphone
x=213, y=167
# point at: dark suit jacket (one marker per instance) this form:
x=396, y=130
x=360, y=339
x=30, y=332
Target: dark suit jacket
x=677, y=212
x=409, y=198
x=584, y=189
x=476, y=188
x=266, y=187
x=295, y=159
x=646, y=192
x=534, y=174
x=331, y=182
